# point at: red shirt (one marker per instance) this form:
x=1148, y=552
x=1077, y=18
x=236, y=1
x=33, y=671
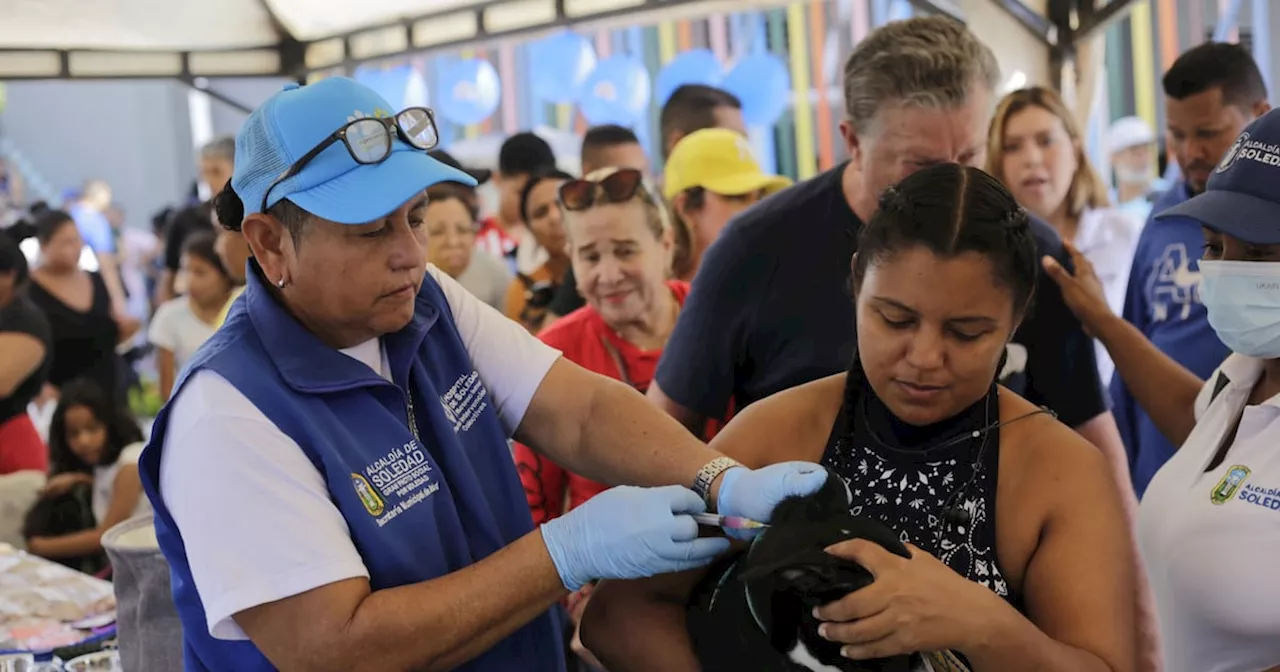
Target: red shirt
x=493, y=239
x=20, y=446
x=581, y=336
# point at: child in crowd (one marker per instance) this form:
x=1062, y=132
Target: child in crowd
x=181, y=325
x=93, y=478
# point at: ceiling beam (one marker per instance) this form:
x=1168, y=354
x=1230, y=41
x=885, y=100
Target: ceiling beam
x=202, y=85
x=1035, y=22
x=947, y=7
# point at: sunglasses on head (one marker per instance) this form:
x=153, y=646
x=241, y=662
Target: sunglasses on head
x=369, y=140
x=618, y=187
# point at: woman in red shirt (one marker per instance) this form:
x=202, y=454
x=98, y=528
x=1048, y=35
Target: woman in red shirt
x=620, y=245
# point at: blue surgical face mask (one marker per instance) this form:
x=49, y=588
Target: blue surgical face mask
x=1243, y=300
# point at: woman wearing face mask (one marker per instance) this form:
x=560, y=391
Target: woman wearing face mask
x=710, y=177
x=529, y=295
x=1036, y=149
x=619, y=239
x=1208, y=520
x=452, y=219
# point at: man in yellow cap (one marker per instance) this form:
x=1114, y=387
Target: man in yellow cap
x=711, y=176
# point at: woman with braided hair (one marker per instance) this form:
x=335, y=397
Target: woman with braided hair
x=1015, y=552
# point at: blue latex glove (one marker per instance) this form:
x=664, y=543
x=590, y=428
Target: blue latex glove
x=630, y=533
x=753, y=493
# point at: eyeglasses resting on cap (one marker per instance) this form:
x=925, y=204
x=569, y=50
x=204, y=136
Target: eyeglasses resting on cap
x=369, y=140
x=617, y=187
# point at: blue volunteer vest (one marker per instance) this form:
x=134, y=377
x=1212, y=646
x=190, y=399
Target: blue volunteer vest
x=417, y=507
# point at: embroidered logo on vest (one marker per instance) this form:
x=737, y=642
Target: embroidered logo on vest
x=1231, y=481
x=396, y=482
x=464, y=401
x=372, y=502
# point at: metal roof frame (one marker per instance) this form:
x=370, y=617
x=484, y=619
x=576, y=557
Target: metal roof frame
x=1061, y=27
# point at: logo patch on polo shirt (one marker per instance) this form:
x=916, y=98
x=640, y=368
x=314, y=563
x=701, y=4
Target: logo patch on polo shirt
x=1230, y=483
x=464, y=401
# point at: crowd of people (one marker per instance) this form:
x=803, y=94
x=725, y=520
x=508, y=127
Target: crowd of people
x=1044, y=402
x=95, y=313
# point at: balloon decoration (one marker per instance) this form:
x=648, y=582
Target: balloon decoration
x=617, y=92
x=390, y=83
x=697, y=66
x=468, y=91
x=763, y=84
x=415, y=90
x=559, y=65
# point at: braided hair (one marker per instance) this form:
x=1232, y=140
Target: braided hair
x=948, y=209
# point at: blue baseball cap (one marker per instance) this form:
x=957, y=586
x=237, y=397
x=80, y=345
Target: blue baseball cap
x=332, y=185
x=1242, y=199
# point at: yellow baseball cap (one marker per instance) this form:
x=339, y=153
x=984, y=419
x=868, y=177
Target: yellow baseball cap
x=718, y=160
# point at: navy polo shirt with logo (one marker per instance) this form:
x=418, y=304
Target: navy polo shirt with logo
x=418, y=466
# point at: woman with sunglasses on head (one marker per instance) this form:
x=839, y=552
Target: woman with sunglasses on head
x=530, y=294
x=331, y=479
x=1209, y=522
x=1019, y=558
x=620, y=241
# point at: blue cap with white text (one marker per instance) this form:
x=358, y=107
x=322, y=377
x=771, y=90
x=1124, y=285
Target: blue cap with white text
x=332, y=185
x=1242, y=198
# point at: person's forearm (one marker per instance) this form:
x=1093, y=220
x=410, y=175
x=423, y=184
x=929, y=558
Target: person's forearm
x=166, y=365
x=109, y=266
x=633, y=635
x=164, y=288
x=68, y=545
x=1162, y=387
x=625, y=440
x=438, y=624
x=1010, y=643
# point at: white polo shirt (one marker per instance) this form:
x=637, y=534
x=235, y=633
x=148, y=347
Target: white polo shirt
x=1210, y=539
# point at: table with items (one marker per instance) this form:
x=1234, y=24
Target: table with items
x=50, y=614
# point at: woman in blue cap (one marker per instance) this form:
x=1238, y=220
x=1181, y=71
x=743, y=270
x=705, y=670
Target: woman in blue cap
x=331, y=479
x=1209, y=522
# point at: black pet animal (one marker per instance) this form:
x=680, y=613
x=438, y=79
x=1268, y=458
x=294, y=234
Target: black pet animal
x=754, y=611
x=65, y=513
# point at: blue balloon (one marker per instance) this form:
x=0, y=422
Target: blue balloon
x=617, y=92
x=763, y=84
x=558, y=66
x=468, y=91
x=698, y=66
x=390, y=83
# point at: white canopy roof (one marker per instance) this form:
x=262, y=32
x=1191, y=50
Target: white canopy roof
x=42, y=39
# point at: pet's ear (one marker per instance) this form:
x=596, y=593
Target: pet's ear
x=831, y=580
